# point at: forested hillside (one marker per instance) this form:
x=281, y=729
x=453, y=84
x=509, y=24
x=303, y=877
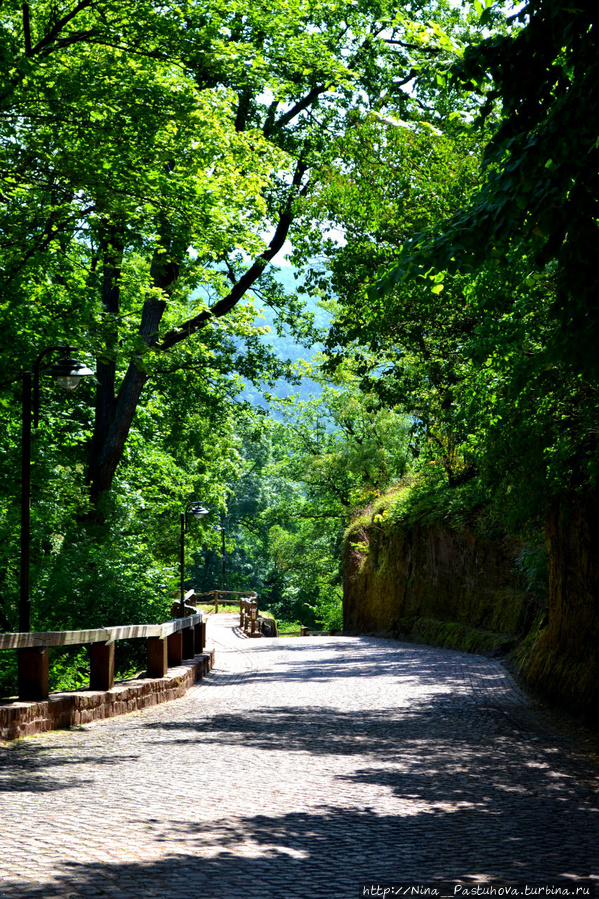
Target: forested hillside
x=431, y=171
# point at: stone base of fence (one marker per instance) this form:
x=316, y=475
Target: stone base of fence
x=63, y=710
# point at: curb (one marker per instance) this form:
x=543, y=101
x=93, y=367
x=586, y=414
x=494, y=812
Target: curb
x=64, y=710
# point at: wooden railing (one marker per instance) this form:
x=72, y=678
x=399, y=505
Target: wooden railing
x=250, y=620
x=167, y=645
x=217, y=596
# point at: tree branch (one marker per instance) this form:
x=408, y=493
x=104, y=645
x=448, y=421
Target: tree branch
x=58, y=26
x=26, y=29
x=434, y=50
x=302, y=104
x=252, y=274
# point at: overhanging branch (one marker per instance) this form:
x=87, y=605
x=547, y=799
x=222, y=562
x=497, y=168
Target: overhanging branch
x=241, y=287
x=58, y=27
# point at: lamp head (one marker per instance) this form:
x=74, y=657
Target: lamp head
x=198, y=511
x=68, y=372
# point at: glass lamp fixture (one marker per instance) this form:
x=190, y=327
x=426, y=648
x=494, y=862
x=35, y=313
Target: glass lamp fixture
x=68, y=373
x=197, y=511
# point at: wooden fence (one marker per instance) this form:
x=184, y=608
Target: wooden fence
x=219, y=596
x=250, y=620
x=167, y=645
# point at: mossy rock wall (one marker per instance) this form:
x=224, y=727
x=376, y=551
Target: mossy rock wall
x=397, y=574
x=563, y=660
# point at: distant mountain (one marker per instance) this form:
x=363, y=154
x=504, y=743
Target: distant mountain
x=286, y=345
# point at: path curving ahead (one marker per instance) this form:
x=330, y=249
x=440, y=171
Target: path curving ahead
x=300, y=768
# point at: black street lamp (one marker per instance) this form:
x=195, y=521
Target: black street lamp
x=193, y=508
x=218, y=527
x=68, y=373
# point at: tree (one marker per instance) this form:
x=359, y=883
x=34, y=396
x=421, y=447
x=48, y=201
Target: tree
x=467, y=353
x=147, y=150
x=153, y=161
x=539, y=196
x=302, y=474
x=385, y=180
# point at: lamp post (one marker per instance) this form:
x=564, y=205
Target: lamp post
x=68, y=373
x=193, y=508
x=218, y=527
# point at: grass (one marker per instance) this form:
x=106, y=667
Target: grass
x=227, y=608
x=286, y=627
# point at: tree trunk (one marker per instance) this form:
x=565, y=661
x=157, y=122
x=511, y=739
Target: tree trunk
x=111, y=249
x=115, y=414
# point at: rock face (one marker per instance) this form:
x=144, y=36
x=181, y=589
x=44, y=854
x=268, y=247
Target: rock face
x=564, y=661
x=393, y=578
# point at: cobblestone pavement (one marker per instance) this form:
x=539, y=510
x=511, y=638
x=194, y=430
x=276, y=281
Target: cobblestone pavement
x=300, y=768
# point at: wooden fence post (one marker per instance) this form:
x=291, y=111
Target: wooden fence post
x=188, y=649
x=33, y=673
x=175, y=649
x=101, y=666
x=157, y=656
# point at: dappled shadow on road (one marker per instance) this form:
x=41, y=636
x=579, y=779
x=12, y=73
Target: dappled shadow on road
x=451, y=786
x=327, y=853
x=332, y=658
x=431, y=792
x=27, y=767
x=481, y=682
x=442, y=750
x=458, y=784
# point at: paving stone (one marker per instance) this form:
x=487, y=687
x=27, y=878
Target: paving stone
x=299, y=768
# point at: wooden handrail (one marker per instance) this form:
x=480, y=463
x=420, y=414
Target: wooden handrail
x=167, y=644
x=98, y=635
x=250, y=595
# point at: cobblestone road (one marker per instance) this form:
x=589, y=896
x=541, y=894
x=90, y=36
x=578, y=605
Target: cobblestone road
x=300, y=768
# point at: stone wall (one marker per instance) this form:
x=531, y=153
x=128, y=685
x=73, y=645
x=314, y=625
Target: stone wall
x=411, y=580
x=63, y=710
x=563, y=662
